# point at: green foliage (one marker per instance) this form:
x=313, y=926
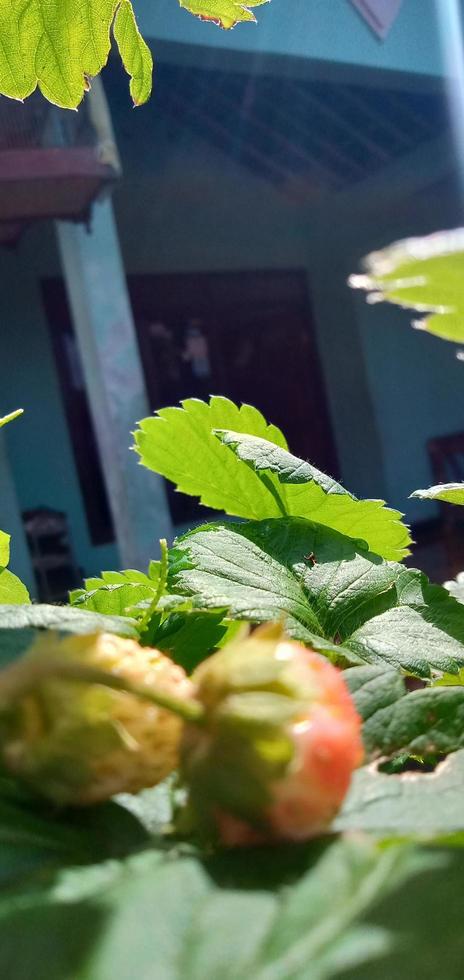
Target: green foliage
x=59, y=46
x=117, y=593
x=233, y=461
x=332, y=594
x=142, y=900
x=423, y=274
x=425, y=723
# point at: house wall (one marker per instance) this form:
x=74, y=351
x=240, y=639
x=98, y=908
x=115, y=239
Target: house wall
x=390, y=388
x=38, y=445
x=321, y=30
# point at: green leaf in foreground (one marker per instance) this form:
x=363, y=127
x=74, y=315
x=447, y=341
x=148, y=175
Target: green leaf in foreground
x=233, y=461
x=331, y=593
x=452, y=493
x=266, y=914
x=423, y=274
x=19, y=625
x=427, y=804
x=224, y=13
x=59, y=46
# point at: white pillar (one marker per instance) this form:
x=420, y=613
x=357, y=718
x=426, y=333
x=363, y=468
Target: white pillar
x=104, y=327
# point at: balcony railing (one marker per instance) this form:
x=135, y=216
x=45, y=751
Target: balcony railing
x=53, y=163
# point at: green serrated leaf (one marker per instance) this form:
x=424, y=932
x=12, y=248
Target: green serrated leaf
x=452, y=493
x=423, y=274
x=330, y=592
x=118, y=593
x=224, y=13
x=179, y=444
x=59, y=46
x=233, y=461
x=303, y=491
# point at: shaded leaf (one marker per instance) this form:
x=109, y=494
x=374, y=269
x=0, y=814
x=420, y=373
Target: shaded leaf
x=423, y=274
x=411, y=803
x=188, y=636
x=173, y=916
x=425, y=723
x=19, y=625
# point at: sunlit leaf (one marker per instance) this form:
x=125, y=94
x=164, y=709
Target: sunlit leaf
x=224, y=13
x=452, y=493
x=422, y=274
x=235, y=462
x=59, y=46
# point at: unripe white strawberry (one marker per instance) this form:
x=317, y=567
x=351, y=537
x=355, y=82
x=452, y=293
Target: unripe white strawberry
x=278, y=745
x=79, y=743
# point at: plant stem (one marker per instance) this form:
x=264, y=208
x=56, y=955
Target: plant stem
x=21, y=679
x=145, y=621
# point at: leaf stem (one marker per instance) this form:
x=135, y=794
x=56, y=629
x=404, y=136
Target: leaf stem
x=145, y=621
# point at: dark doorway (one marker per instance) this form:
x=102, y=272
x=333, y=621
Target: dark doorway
x=246, y=335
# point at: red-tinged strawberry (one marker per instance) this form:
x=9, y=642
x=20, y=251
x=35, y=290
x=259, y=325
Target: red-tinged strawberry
x=79, y=742
x=280, y=739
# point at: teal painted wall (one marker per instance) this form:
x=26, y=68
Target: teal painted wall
x=325, y=30
x=38, y=445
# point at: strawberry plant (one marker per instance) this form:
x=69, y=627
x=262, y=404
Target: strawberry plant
x=181, y=797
